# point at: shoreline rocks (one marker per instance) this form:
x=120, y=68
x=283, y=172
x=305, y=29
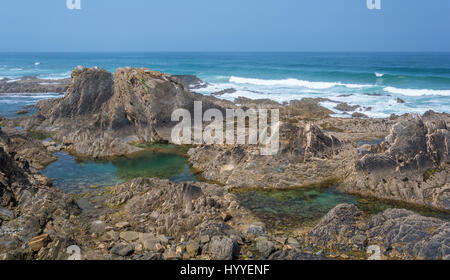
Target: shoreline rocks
x=411, y=165
x=33, y=85
x=398, y=233
x=34, y=210
x=102, y=114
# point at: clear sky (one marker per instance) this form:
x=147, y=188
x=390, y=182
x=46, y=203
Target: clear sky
x=227, y=25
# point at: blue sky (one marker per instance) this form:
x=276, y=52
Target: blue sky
x=231, y=25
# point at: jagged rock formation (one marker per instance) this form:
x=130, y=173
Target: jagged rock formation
x=23, y=148
x=411, y=165
x=307, y=156
x=29, y=208
x=156, y=219
x=102, y=114
x=399, y=233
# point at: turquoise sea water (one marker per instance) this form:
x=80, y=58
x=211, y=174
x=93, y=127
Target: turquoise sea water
x=373, y=80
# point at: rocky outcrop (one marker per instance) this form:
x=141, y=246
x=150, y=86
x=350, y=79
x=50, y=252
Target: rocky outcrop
x=23, y=148
x=191, y=81
x=102, y=115
x=306, y=157
x=398, y=233
x=35, y=219
x=33, y=85
x=411, y=165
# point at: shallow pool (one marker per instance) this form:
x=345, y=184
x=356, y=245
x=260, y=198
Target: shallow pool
x=74, y=175
x=284, y=209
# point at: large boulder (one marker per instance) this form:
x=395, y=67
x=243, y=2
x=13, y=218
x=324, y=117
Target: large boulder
x=399, y=233
x=411, y=165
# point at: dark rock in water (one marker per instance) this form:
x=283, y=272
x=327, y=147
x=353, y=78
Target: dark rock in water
x=225, y=91
x=411, y=165
x=398, y=233
x=33, y=85
x=373, y=94
x=22, y=112
x=400, y=101
x=359, y=115
x=344, y=107
x=191, y=81
x=102, y=114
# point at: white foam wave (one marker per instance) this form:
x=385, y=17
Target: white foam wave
x=379, y=75
x=57, y=76
x=292, y=83
x=417, y=92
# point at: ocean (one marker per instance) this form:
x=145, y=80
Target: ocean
x=373, y=80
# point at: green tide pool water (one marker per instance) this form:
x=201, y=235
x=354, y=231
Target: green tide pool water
x=285, y=209
x=74, y=175
x=279, y=209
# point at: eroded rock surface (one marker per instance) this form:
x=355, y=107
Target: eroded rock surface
x=411, y=165
x=307, y=156
x=102, y=115
x=35, y=219
x=399, y=233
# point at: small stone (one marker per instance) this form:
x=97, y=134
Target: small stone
x=255, y=230
x=39, y=242
x=113, y=235
x=179, y=250
x=98, y=226
x=122, y=225
x=226, y=217
x=163, y=239
x=222, y=248
x=6, y=214
x=192, y=248
x=264, y=247
x=122, y=250
x=129, y=236
x=204, y=239
x=400, y=101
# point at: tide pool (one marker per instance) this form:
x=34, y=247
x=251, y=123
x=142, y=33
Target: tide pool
x=287, y=209
x=74, y=175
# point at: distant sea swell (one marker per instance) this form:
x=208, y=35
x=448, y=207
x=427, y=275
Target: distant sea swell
x=373, y=80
